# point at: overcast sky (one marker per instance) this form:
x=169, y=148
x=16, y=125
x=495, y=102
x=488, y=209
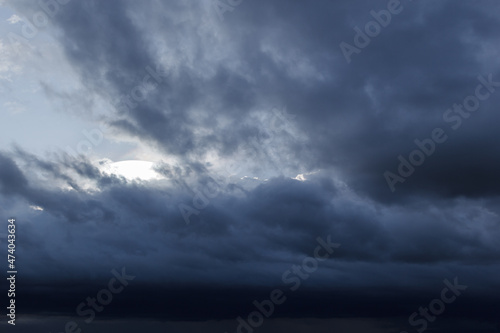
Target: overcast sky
x=208, y=146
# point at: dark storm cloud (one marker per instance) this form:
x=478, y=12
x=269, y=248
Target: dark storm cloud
x=13, y=180
x=358, y=118
x=352, y=120
x=238, y=248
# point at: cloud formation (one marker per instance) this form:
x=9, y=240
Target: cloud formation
x=297, y=142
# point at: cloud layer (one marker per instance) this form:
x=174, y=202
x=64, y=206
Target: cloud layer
x=266, y=138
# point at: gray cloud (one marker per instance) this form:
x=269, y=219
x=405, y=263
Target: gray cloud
x=211, y=95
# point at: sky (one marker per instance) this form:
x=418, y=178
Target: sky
x=251, y=166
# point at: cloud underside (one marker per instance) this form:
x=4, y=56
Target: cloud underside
x=268, y=92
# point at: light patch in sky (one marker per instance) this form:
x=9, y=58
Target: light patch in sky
x=300, y=177
x=14, y=19
x=132, y=169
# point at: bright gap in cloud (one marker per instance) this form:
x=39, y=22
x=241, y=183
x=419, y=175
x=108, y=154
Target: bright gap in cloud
x=131, y=169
